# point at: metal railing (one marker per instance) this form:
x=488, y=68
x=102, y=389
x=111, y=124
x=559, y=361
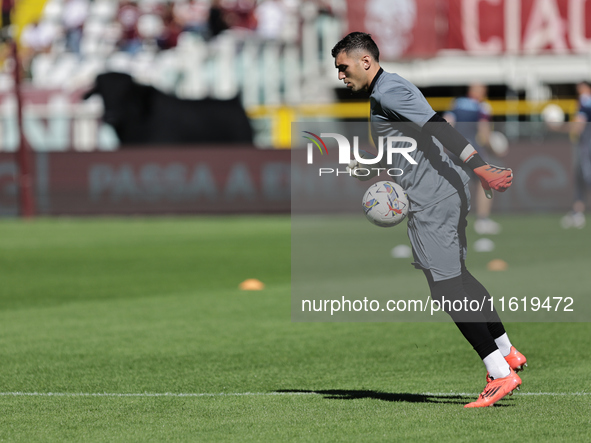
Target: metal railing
x=60, y=125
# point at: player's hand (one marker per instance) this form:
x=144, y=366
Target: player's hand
x=494, y=177
x=354, y=165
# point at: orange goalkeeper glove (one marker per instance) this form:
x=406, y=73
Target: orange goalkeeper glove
x=494, y=177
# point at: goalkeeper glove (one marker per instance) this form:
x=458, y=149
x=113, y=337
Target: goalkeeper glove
x=494, y=177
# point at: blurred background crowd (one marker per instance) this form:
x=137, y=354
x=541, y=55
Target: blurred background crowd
x=274, y=58
x=84, y=32
x=83, y=27
x=276, y=53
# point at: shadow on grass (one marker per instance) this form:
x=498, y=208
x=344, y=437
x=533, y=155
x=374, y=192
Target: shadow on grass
x=341, y=394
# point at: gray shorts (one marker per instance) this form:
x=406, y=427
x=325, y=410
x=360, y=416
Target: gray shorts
x=438, y=236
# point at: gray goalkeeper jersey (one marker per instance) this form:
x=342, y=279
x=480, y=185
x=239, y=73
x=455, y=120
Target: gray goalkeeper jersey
x=398, y=108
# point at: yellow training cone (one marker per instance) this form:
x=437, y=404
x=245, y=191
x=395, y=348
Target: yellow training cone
x=497, y=265
x=252, y=284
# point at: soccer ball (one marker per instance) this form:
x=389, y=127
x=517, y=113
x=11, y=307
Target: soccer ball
x=385, y=204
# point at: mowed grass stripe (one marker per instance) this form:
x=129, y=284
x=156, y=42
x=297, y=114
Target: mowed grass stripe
x=129, y=308
x=239, y=394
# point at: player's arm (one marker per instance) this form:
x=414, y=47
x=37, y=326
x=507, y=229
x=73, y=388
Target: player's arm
x=450, y=117
x=484, y=130
x=484, y=125
x=492, y=177
x=578, y=124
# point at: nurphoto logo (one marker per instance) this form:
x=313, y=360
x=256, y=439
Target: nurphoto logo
x=388, y=146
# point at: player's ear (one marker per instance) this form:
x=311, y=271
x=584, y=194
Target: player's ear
x=366, y=61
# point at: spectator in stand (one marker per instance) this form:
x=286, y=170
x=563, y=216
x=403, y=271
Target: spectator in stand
x=36, y=38
x=128, y=16
x=73, y=18
x=325, y=7
x=240, y=17
x=217, y=19
x=471, y=116
x=193, y=16
x=270, y=17
x=7, y=7
x=172, y=28
x=5, y=54
x=5, y=37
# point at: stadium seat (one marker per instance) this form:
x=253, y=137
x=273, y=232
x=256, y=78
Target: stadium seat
x=91, y=37
x=52, y=12
x=86, y=71
x=120, y=62
x=165, y=71
x=150, y=26
x=41, y=68
x=141, y=67
x=62, y=71
x=103, y=10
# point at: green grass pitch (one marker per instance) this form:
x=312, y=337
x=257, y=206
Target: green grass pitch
x=124, y=309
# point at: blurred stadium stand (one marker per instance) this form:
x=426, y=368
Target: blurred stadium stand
x=282, y=74
x=276, y=55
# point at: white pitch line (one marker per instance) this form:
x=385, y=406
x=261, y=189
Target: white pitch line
x=238, y=394
x=145, y=394
x=549, y=394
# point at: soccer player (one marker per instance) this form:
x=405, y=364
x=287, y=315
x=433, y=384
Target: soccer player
x=439, y=202
x=581, y=129
x=471, y=116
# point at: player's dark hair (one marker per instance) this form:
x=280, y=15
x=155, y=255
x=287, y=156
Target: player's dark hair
x=586, y=83
x=357, y=41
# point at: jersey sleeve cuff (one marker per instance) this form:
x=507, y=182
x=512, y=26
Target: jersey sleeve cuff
x=467, y=153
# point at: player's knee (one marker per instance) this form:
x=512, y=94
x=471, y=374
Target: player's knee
x=450, y=289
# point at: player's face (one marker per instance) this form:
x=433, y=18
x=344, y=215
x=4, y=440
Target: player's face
x=583, y=89
x=352, y=71
x=478, y=92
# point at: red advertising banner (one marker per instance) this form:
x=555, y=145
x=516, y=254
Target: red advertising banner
x=401, y=28
x=420, y=28
x=491, y=27
x=543, y=182
x=233, y=180
x=150, y=181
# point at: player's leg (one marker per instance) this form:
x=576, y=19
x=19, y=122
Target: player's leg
x=472, y=324
x=584, y=158
x=477, y=291
x=438, y=238
x=576, y=218
x=503, y=380
x=441, y=232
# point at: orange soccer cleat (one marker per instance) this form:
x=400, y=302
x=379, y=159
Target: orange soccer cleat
x=495, y=390
x=516, y=360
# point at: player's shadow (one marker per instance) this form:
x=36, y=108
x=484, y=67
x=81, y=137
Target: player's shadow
x=342, y=394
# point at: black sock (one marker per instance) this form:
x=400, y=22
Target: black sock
x=472, y=324
x=477, y=291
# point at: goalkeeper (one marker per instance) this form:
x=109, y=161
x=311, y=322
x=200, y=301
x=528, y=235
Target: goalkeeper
x=439, y=201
